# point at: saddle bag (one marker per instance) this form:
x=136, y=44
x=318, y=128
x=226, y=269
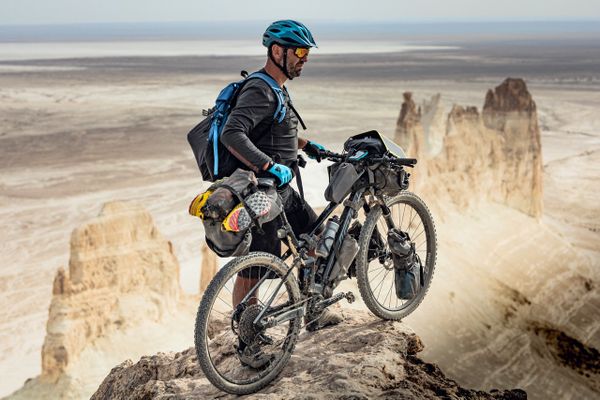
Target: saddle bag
x=230, y=207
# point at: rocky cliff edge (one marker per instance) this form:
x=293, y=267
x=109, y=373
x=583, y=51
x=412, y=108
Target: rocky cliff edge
x=363, y=358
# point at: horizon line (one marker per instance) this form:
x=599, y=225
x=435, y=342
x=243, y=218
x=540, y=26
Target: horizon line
x=414, y=21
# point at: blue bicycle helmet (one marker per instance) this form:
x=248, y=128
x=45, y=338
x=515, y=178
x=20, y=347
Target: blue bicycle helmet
x=288, y=33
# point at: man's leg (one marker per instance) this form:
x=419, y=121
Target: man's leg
x=245, y=281
x=241, y=287
x=247, y=354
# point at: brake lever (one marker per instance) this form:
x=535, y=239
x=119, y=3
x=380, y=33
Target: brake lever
x=330, y=155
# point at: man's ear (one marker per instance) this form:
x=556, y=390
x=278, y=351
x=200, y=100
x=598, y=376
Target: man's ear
x=277, y=51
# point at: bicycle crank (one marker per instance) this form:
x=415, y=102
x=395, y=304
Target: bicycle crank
x=334, y=299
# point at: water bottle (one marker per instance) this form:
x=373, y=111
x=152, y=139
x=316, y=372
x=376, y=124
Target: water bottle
x=348, y=252
x=328, y=237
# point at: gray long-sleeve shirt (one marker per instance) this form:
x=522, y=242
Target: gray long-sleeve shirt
x=253, y=136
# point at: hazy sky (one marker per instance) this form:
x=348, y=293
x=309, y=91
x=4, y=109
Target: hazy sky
x=82, y=11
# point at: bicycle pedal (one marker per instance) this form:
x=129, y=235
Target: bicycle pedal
x=332, y=300
x=350, y=297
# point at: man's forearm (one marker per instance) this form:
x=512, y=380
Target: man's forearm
x=302, y=142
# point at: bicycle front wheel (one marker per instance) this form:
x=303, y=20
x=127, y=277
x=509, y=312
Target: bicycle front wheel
x=375, y=271
x=237, y=355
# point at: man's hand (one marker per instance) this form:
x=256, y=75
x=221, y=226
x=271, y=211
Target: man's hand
x=313, y=150
x=281, y=172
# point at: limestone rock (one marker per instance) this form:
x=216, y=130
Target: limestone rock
x=495, y=154
x=408, y=126
x=362, y=358
x=121, y=271
x=434, y=124
x=209, y=267
x=511, y=96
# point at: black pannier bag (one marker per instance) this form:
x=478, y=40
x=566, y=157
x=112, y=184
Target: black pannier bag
x=230, y=207
x=407, y=265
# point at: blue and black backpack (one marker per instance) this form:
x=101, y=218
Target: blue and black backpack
x=214, y=160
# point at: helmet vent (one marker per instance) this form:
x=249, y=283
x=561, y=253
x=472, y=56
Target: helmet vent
x=288, y=33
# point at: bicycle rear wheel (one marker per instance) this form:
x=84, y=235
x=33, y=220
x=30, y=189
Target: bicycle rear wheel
x=374, y=265
x=223, y=328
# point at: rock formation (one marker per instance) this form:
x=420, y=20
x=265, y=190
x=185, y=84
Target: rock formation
x=209, y=267
x=363, y=358
x=496, y=153
x=121, y=271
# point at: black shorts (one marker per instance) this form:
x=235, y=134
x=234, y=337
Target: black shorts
x=301, y=217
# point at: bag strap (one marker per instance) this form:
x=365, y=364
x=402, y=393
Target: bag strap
x=281, y=110
x=297, y=114
x=300, y=163
x=250, y=211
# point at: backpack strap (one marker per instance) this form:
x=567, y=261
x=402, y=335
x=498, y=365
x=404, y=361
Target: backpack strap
x=297, y=115
x=281, y=110
x=219, y=114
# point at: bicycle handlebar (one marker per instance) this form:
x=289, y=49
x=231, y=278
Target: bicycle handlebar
x=333, y=156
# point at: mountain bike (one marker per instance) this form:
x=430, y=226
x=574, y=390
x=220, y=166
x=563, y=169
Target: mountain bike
x=369, y=176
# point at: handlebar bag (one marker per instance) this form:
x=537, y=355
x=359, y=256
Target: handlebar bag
x=390, y=181
x=369, y=141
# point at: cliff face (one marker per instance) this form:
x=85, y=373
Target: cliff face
x=521, y=273
x=495, y=153
x=362, y=358
x=121, y=272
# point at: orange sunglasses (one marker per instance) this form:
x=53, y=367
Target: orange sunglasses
x=300, y=52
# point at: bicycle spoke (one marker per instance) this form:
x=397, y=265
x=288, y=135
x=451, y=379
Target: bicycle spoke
x=378, y=274
x=413, y=239
x=389, y=291
x=223, y=330
x=381, y=284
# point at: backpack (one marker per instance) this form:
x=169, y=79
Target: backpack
x=214, y=160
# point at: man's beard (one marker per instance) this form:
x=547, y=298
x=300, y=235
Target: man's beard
x=293, y=70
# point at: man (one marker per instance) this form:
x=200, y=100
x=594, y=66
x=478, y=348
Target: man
x=268, y=147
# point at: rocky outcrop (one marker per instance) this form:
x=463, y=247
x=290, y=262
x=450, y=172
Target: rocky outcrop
x=363, y=358
x=121, y=272
x=495, y=154
x=209, y=267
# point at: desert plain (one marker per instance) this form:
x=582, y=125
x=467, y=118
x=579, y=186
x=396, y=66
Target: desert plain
x=80, y=131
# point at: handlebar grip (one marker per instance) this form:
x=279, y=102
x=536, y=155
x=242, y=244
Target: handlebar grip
x=407, y=161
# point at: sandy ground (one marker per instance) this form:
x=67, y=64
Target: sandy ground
x=78, y=132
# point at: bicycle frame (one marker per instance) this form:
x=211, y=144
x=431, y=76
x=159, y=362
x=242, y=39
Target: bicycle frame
x=353, y=203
